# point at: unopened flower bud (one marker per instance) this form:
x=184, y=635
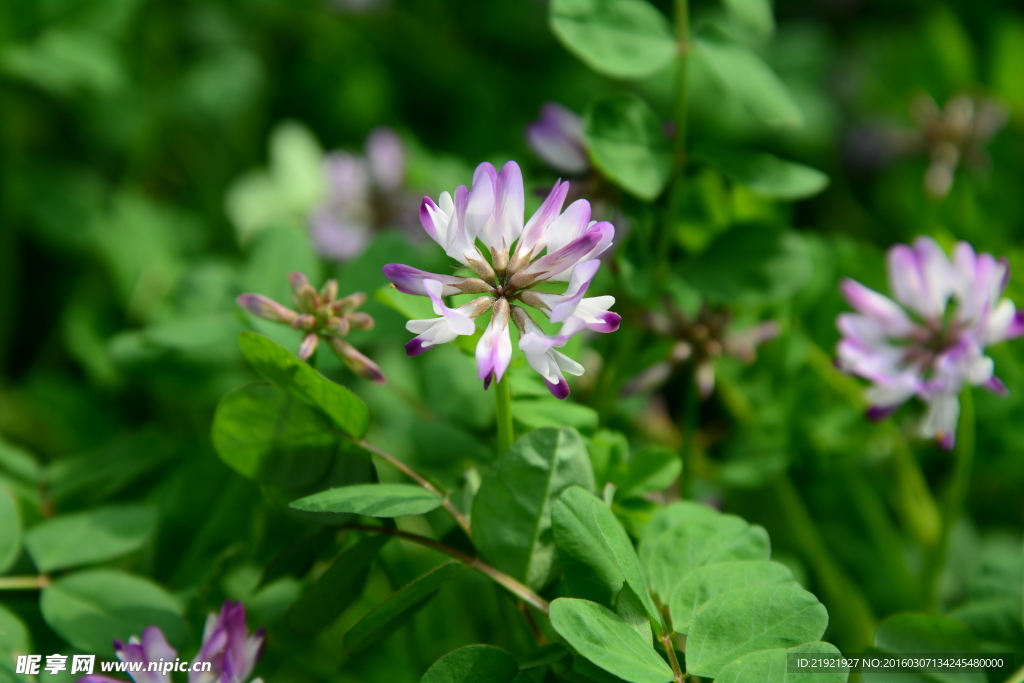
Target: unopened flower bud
x=308, y=346
x=360, y=321
x=266, y=308
x=356, y=362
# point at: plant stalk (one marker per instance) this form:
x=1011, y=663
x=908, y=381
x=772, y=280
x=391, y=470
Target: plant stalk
x=459, y=518
x=854, y=621
x=503, y=579
x=14, y=583
x=691, y=411
x=503, y=414
x=956, y=495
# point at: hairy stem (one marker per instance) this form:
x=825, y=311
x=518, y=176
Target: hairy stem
x=459, y=518
x=956, y=494
x=503, y=414
x=503, y=579
x=14, y=583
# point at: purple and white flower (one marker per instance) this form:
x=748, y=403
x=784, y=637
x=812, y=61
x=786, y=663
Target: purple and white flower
x=227, y=646
x=557, y=138
x=363, y=193
x=553, y=246
x=321, y=316
x=930, y=341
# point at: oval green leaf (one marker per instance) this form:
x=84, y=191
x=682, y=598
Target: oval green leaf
x=268, y=436
x=608, y=641
x=652, y=469
x=512, y=509
x=389, y=616
x=747, y=78
x=10, y=528
x=336, y=589
x=89, y=537
x=90, y=609
x=14, y=641
x=473, y=664
x=764, y=174
x=704, y=583
x=372, y=500
x=626, y=143
x=770, y=666
x=597, y=556
x=283, y=368
x=696, y=536
x=617, y=38
x=744, y=620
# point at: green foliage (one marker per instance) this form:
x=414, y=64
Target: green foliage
x=626, y=143
x=372, y=500
x=473, y=664
x=512, y=510
x=336, y=589
x=618, y=38
x=92, y=608
x=608, y=641
x=764, y=174
x=90, y=537
x=10, y=525
x=389, y=616
x=281, y=367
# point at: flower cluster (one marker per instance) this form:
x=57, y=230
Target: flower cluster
x=929, y=342
x=321, y=315
x=227, y=645
x=554, y=245
x=701, y=341
x=362, y=193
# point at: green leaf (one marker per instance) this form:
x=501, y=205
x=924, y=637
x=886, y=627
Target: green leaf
x=372, y=500
x=473, y=664
x=608, y=641
x=920, y=633
x=764, y=174
x=747, y=78
x=652, y=469
x=688, y=535
x=751, y=264
x=279, y=365
x=18, y=463
x=755, y=15
x=743, y=620
x=89, y=609
x=379, y=623
x=626, y=143
x=550, y=412
x=704, y=583
x=617, y=38
x=10, y=528
x=90, y=537
x=269, y=436
x=336, y=589
x=14, y=641
x=597, y=555
x=512, y=509
x=769, y=666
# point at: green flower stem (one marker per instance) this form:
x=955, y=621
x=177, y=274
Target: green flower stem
x=14, y=583
x=459, y=518
x=850, y=613
x=956, y=494
x=911, y=497
x=503, y=414
x=679, y=115
x=503, y=579
x=691, y=411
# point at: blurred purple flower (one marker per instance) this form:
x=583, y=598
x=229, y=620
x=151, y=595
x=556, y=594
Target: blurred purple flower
x=700, y=341
x=322, y=316
x=557, y=138
x=228, y=646
x=929, y=342
x=492, y=212
x=231, y=652
x=362, y=195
